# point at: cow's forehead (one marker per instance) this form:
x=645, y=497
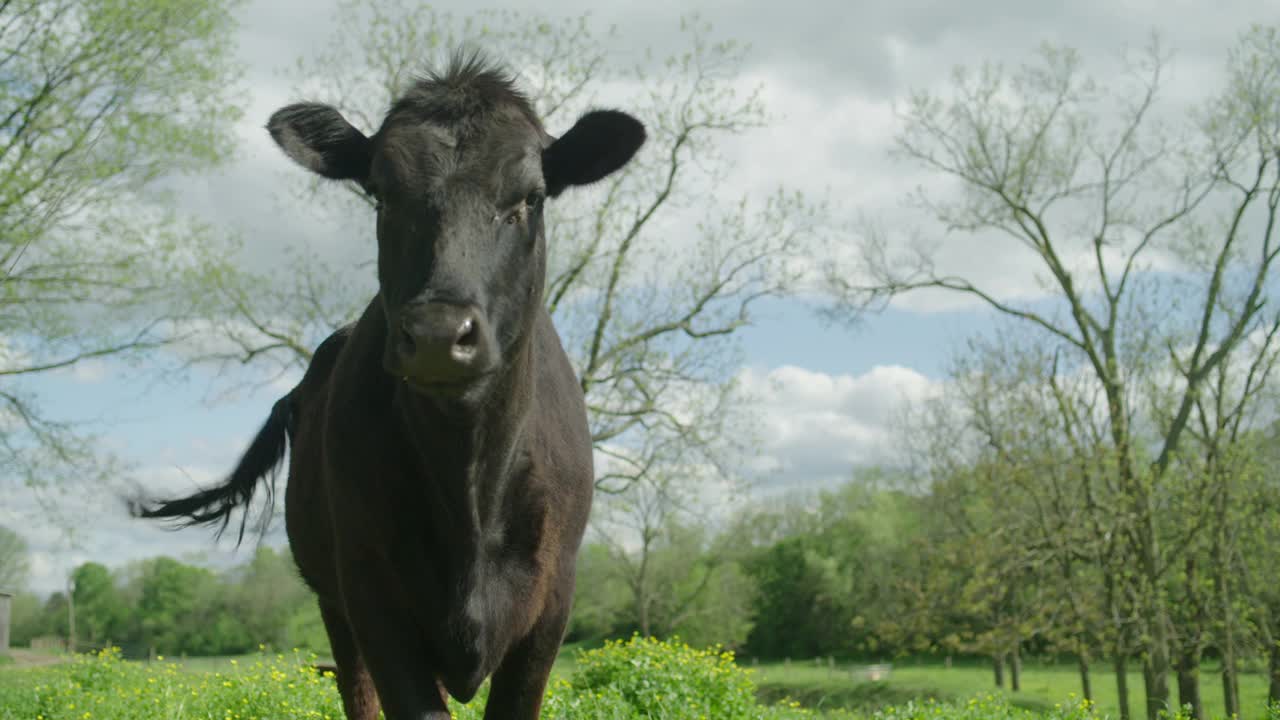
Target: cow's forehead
x=422, y=157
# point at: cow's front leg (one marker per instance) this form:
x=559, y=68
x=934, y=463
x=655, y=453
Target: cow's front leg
x=520, y=683
x=391, y=643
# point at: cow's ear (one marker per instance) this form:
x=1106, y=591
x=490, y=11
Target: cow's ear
x=601, y=142
x=319, y=139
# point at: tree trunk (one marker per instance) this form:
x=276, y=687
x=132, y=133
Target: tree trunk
x=1155, y=639
x=1015, y=670
x=1156, y=665
x=1086, y=689
x=1230, y=676
x=1122, y=686
x=71, y=619
x=1189, y=682
x=1222, y=564
x=1273, y=694
x=1231, y=688
x=998, y=663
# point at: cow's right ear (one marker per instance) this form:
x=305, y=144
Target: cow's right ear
x=319, y=139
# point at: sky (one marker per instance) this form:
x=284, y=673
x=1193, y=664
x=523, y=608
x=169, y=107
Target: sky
x=830, y=70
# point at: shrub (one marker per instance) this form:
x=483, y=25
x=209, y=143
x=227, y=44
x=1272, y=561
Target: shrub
x=663, y=680
x=104, y=687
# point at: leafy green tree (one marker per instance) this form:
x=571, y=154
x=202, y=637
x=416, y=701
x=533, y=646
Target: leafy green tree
x=1081, y=177
x=101, y=614
x=676, y=576
x=182, y=609
x=99, y=100
x=834, y=571
x=705, y=595
x=304, y=629
x=600, y=608
x=789, y=610
x=26, y=619
x=1256, y=510
x=53, y=616
x=266, y=594
x=1030, y=471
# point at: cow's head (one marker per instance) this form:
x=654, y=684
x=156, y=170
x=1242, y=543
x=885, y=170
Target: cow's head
x=461, y=170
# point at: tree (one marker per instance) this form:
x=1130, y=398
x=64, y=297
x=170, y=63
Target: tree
x=678, y=577
x=182, y=609
x=651, y=274
x=26, y=619
x=99, y=100
x=835, y=580
x=1089, y=186
x=267, y=594
x=1032, y=465
x=600, y=607
x=53, y=616
x=101, y=614
x=14, y=562
x=789, y=606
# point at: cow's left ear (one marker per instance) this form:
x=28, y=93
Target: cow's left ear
x=601, y=142
x=319, y=139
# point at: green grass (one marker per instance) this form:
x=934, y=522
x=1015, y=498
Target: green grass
x=640, y=680
x=5, y=659
x=1043, y=686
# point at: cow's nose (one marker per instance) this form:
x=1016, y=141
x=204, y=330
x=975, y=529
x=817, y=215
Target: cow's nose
x=442, y=342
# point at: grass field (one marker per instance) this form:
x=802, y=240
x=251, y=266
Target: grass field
x=1043, y=686
x=827, y=694
x=642, y=679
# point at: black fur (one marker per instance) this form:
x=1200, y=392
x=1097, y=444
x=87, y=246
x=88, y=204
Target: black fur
x=598, y=144
x=318, y=138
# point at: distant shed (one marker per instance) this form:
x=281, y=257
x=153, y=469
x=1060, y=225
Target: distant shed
x=6, y=601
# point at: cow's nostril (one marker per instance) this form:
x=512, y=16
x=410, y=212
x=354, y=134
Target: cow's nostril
x=467, y=335
x=406, y=341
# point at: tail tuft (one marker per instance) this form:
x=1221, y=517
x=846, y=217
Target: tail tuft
x=215, y=505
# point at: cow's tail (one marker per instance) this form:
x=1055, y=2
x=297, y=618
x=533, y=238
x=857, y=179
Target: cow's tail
x=215, y=505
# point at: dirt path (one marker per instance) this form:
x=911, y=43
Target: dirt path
x=33, y=658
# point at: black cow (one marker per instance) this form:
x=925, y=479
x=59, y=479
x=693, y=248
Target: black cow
x=441, y=467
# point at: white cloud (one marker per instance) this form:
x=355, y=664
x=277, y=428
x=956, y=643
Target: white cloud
x=89, y=371
x=830, y=76
x=816, y=427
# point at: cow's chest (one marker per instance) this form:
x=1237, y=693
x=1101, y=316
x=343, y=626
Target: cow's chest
x=484, y=600
x=482, y=575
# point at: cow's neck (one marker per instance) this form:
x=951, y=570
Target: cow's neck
x=470, y=448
